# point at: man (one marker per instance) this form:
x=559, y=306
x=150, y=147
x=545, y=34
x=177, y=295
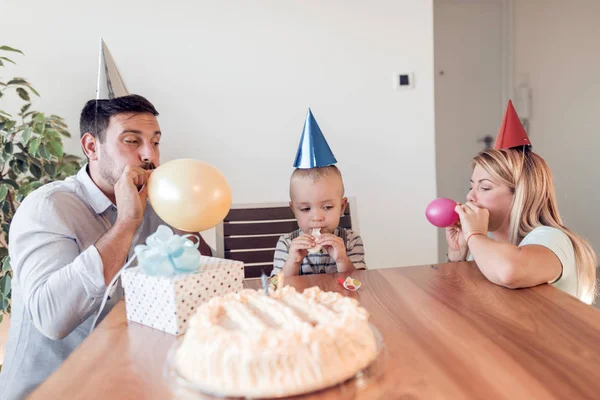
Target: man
x=69, y=239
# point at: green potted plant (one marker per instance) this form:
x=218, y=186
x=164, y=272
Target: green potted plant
x=31, y=155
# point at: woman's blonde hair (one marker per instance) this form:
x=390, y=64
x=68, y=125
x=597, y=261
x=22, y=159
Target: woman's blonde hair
x=534, y=204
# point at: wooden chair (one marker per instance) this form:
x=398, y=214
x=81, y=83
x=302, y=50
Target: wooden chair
x=249, y=233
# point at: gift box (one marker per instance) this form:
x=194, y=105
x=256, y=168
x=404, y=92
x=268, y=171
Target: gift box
x=169, y=283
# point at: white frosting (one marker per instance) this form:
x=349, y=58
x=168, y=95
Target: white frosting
x=248, y=344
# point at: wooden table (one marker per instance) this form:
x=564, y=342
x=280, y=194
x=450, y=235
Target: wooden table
x=449, y=334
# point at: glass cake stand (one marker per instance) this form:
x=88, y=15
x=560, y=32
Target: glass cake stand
x=183, y=389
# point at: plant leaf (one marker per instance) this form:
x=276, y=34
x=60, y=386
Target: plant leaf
x=33, y=90
x=64, y=132
x=39, y=127
x=17, y=81
x=35, y=171
x=50, y=169
x=39, y=117
x=6, y=210
x=7, y=48
x=71, y=158
x=23, y=94
x=8, y=59
x=34, y=144
x=53, y=133
x=5, y=264
x=8, y=147
x=22, y=166
x=6, y=228
x=24, y=189
x=56, y=148
x=21, y=156
x=43, y=152
x=25, y=108
x=36, y=185
x=3, y=302
x=3, y=192
x=33, y=160
x=58, y=121
x=10, y=182
x=26, y=135
x=5, y=284
x=8, y=125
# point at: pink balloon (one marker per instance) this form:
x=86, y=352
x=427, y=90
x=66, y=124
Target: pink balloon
x=440, y=212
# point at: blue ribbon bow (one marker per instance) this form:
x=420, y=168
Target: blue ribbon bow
x=167, y=254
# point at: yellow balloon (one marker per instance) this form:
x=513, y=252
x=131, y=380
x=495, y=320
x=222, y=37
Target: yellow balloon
x=190, y=195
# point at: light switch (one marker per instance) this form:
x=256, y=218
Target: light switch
x=404, y=80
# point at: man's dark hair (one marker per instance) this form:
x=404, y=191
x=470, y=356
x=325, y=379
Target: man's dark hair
x=96, y=114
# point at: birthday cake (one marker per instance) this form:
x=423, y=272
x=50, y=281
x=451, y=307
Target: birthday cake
x=284, y=344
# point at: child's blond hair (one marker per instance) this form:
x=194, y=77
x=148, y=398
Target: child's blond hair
x=315, y=174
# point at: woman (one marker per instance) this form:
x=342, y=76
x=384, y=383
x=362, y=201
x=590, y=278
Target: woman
x=511, y=225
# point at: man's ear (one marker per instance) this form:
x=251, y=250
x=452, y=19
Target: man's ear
x=89, y=144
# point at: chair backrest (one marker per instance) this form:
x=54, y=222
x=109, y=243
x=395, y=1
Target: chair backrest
x=249, y=233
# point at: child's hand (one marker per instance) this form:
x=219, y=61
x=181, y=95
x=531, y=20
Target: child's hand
x=334, y=245
x=299, y=246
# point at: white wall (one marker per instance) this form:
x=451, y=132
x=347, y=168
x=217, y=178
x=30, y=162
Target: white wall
x=470, y=85
x=557, y=50
x=233, y=80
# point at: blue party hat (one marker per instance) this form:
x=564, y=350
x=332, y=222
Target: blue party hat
x=313, y=150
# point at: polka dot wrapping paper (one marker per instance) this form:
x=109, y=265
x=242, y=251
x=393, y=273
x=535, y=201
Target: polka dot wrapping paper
x=168, y=302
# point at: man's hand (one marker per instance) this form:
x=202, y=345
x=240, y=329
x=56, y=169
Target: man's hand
x=131, y=193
